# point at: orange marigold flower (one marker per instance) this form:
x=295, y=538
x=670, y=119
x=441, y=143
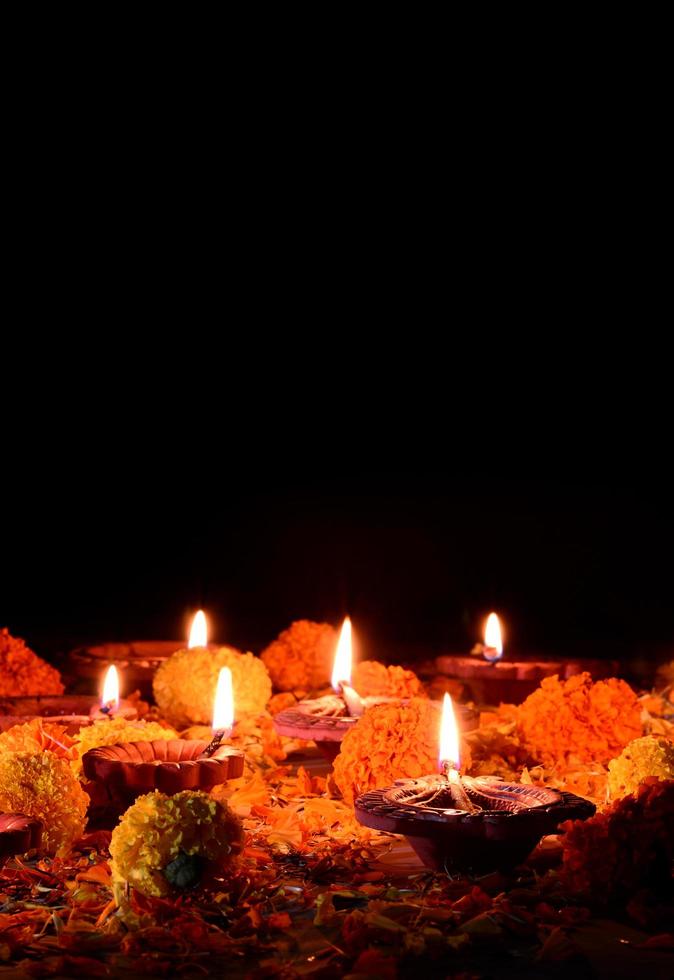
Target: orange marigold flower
x=391, y=741
x=302, y=656
x=22, y=672
x=627, y=847
x=372, y=679
x=35, y=736
x=577, y=720
x=42, y=785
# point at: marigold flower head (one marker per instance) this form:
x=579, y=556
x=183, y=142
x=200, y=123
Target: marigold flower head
x=577, y=720
x=184, y=685
x=629, y=846
x=36, y=736
x=644, y=757
x=391, y=741
x=42, y=785
x=372, y=679
x=22, y=672
x=114, y=731
x=302, y=656
x=165, y=843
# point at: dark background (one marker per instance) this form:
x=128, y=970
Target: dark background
x=416, y=556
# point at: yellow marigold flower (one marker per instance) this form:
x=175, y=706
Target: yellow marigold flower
x=184, y=685
x=22, y=672
x=577, y=720
x=644, y=757
x=301, y=657
x=372, y=679
x=391, y=741
x=167, y=843
x=114, y=731
x=35, y=736
x=42, y=785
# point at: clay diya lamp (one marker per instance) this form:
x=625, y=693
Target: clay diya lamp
x=463, y=824
x=491, y=679
x=70, y=710
x=501, y=825
x=18, y=834
x=326, y=720
x=120, y=773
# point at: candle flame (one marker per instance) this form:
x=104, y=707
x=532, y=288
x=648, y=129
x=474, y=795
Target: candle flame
x=493, y=640
x=223, y=707
x=341, y=671
x=449, y=736
x=111, y=688
x=199, y=631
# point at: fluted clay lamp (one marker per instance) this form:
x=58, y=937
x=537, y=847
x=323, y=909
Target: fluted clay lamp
x=120, y=773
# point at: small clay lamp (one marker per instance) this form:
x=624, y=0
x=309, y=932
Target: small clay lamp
x=492, y=678
x=326, y=720
x=18, y=834
x=120, y=773
x=111, y=706
x=464, y=824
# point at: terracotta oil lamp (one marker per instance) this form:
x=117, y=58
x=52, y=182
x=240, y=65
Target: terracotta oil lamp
x=18, y=834
x=461, y=824
x=492, y=678
x=120, y=773
x=326, y=720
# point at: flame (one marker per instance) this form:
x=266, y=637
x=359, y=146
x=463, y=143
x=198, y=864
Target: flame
x=341, y=671
x=223, y=706
x=492, y=638
x=199, y=631
x=449, y=736
x=111, y=688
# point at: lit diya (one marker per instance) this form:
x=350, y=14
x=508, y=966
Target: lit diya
x=18, y=834
x=120, y=773
x=71, y=711
x=326, y=720
x=458, y=823
x=492, y=679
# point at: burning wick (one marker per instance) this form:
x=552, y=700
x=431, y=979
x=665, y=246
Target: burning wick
x=223, y=711
x=341, y=673
x=110, y=695
x=493, y=642
x=450, y=759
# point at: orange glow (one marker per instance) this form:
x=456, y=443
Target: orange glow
x=449, y=736
x=223, y=707
x=341, y=671
x=111, y=688
x=493, y=640
x=199, y=631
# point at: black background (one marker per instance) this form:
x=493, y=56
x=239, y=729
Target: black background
x=416, y=556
